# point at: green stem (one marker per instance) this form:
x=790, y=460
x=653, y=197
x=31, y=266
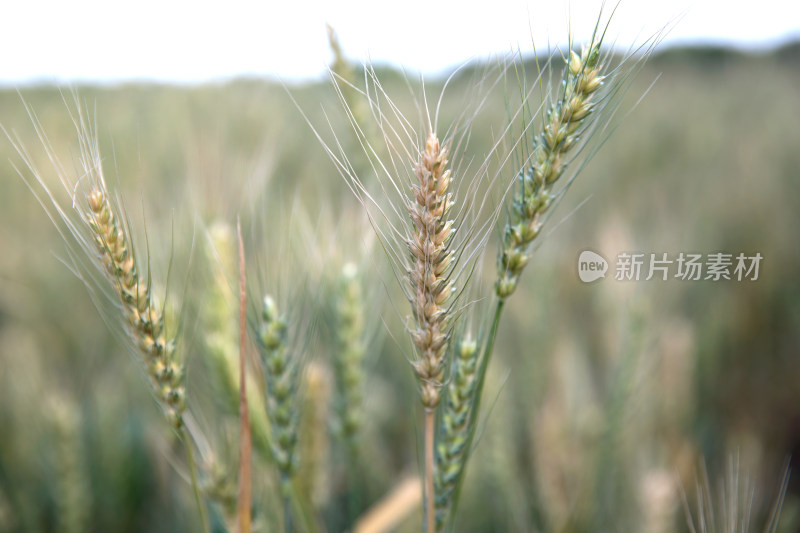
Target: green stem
x=355, y=483
x=488, y=348
x=301, y=508
x=286, y=488
x=195, y=486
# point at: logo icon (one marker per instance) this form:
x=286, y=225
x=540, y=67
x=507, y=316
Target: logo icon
x=591, y=266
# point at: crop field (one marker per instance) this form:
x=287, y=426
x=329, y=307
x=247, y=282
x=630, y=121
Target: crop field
x=644, y=400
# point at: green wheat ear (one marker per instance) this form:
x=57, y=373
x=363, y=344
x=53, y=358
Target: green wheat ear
x=453, y=434
x=73, y=494
x=560, y=135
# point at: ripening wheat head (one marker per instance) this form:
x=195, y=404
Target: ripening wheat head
x=101, y=252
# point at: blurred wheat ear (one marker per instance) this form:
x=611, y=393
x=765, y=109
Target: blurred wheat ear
x=283, y=410
x=220, y=331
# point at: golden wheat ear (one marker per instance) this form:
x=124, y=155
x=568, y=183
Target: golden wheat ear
x=101, y=252
x=145, y=319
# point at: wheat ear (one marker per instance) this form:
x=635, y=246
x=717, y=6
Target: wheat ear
x=451, y=448
x=145, y=319
x=431, y=288
x=431, y=260
x=535, y=192
x=567, y=117
x=73, y=497
x=350, y=354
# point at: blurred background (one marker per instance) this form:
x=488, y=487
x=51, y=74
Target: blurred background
x=607, y=404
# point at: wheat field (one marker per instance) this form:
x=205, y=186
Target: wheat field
x=656, y=406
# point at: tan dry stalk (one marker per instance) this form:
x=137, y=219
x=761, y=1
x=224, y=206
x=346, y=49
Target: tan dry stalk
x=430, y=466
x=535, y=193
x=389, y=512
x=145, y=320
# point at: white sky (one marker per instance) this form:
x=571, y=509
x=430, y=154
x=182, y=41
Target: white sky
x=183, y=41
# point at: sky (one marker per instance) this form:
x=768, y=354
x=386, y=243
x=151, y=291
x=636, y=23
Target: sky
x=189, y=42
